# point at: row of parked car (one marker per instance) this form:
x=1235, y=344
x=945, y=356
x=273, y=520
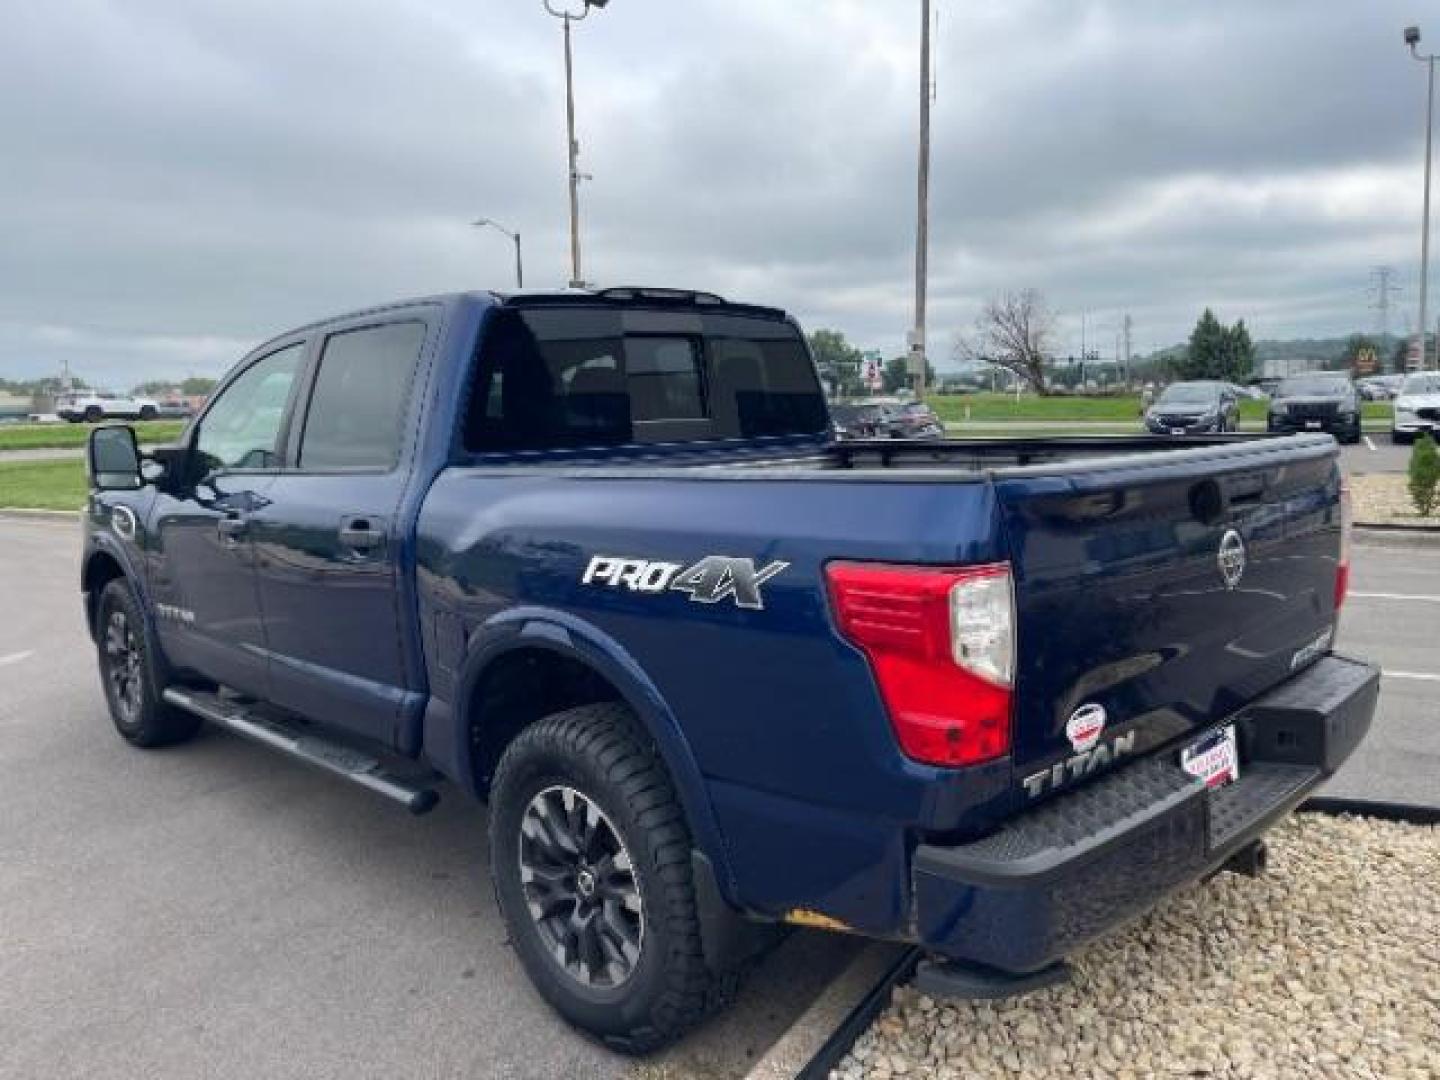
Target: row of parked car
x=1316, y=401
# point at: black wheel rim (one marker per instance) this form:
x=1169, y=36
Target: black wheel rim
x=580, y=887
x=123, y=666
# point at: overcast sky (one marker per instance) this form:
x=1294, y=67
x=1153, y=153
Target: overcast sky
x=184, y=178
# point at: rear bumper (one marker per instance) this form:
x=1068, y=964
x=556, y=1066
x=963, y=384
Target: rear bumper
x=1081, y=864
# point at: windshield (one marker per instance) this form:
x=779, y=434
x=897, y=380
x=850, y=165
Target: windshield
x=1189, y=395
x=1421, y=384
x=1311, y=386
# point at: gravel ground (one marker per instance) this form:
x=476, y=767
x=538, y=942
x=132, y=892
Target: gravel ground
x=1329, y=966
x=1385, y=500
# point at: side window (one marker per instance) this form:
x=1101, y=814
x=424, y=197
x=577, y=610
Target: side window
x=242, y=426
x=357, y=409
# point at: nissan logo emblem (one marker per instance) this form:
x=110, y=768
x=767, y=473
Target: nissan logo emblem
x=1231, y=558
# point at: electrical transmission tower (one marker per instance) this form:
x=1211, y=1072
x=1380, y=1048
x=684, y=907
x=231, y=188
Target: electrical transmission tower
x=1382, y=288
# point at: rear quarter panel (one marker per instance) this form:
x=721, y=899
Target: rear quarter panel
x=777, y=720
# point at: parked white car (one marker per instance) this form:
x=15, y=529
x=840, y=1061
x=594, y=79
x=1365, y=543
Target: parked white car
x=92, y=406
x=1417, y=407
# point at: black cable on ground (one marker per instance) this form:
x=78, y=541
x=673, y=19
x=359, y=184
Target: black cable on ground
x=859, y=1018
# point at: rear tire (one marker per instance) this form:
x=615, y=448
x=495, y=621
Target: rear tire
x=93, y=415
x=129, y=674
x=1401, y=438
x=147, y=412
x=591, y=859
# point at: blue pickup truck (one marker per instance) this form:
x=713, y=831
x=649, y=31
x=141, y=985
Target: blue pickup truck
x=596, y=559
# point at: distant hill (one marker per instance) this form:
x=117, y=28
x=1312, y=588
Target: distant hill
x=1283, y=357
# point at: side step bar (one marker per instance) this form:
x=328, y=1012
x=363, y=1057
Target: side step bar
x=415, y=794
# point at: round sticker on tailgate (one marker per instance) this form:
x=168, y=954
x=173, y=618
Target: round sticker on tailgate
x=1085, y=726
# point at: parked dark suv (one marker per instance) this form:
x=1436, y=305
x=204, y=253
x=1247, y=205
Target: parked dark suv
x=1319, y=401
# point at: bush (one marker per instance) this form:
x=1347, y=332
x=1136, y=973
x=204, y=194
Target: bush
x=1424, y=475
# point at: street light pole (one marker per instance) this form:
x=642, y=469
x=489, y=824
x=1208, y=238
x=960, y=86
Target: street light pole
x=1412, y=38
x=577, y=280
x=481, y=223
x=922, y=218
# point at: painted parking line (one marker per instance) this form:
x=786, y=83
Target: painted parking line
x=1421, y=598
x=1418, y=676
x=1369, y=442
x=15, y=658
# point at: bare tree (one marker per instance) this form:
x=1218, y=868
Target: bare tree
x=1013, y=331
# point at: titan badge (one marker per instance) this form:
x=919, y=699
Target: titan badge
x=1084, y=728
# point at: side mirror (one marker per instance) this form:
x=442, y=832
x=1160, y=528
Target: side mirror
x=113, y=457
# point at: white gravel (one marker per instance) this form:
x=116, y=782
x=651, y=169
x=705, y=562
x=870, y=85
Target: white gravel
x=1328, y=966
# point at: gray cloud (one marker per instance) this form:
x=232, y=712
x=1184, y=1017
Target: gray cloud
x=183, y=179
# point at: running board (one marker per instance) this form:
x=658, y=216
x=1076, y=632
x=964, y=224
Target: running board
x=413, y=793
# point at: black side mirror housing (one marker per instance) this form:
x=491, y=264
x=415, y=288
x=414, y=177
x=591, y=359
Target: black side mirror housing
x=173, y=466
x=112, y=457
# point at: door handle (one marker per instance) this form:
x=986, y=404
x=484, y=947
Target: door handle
x=361, y=535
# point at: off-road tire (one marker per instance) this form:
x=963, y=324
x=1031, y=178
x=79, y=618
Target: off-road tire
x=601, y=752
x=140, y=715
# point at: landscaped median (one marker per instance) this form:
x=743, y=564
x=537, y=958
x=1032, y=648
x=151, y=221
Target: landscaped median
x=1120, y=409
x=43, y=485
x=1327, y=966
x=57, y=436
x=1384, y=499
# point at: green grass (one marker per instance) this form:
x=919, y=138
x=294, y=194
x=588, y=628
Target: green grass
x=55, y=436
x=43, y=485
x=1120, y=409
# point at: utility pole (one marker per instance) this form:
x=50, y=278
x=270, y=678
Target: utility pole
x=922, y=217
x=1127, y=330
x=577, y=280
x=1412, y=38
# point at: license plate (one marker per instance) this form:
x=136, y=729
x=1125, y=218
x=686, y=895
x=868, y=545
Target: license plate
x=1177, y=431
x=1312, y=425
x=1215, y=759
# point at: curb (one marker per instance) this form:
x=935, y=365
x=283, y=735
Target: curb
x=19, y=513
x=1409, y=813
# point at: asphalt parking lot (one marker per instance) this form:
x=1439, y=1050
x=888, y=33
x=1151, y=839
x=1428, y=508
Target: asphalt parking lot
x=216, y=910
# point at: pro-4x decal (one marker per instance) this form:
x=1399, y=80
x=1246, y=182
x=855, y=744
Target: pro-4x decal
x=709, y=581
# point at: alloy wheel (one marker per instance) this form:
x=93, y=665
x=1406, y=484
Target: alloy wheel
x=580, y=887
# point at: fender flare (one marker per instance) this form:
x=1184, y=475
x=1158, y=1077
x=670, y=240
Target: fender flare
x=102, y=543
x=564, y=634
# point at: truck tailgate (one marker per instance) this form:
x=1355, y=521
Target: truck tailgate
x=1167, y=590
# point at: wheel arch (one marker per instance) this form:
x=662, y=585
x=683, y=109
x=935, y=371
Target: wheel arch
x=538, y=651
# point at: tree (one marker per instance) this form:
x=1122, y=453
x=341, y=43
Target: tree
x=1217, y=351
x=896, y=375
x=1424, y=479
x=1239, y=353
x=196, y=386
x=1013, y=331
x=838, y=361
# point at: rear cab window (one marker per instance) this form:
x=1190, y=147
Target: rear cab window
x=581, y=376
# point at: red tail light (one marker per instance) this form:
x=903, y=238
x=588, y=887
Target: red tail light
x=1347, y=519
x=941, y=643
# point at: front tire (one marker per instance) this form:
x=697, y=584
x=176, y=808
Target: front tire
x=591, y=859
x=93, y=415
x=147, y=412
x=1401, y=438
x=129, y=674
